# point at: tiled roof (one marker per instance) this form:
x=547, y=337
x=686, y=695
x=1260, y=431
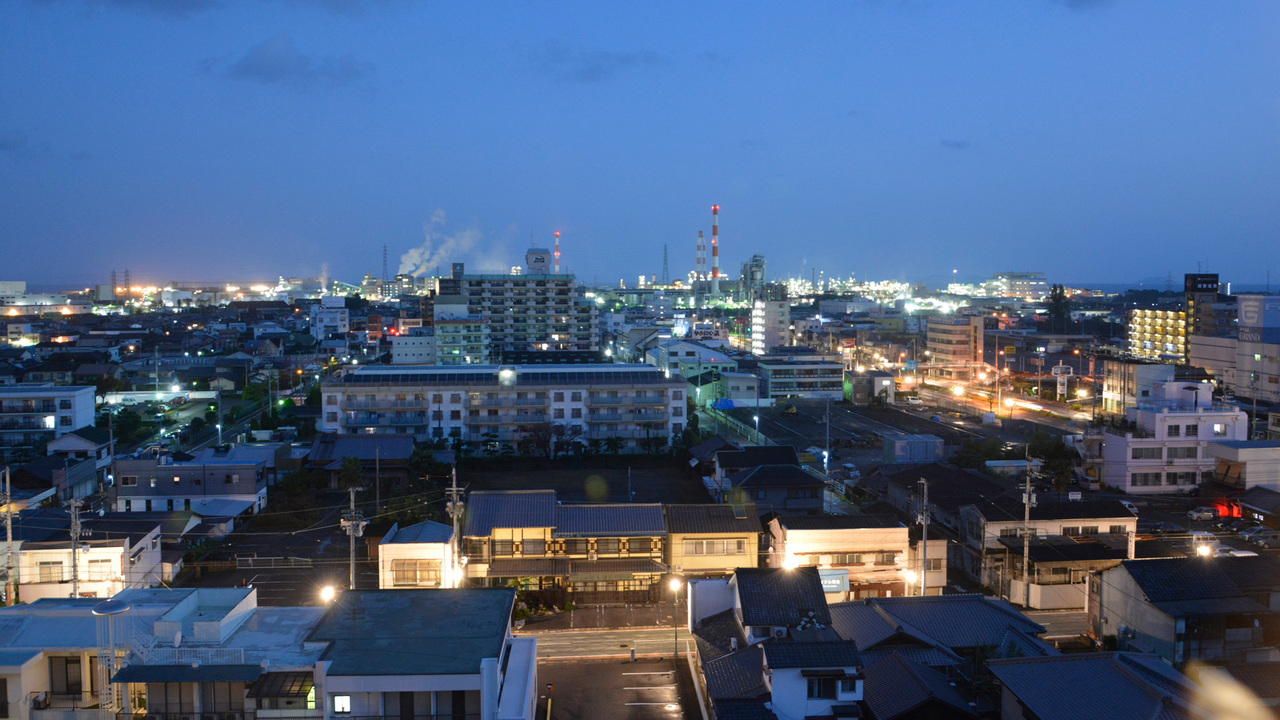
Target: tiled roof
x=1185, y=578
x=927, y=656
x=1118, y=684
x=771, y=476
x=1264, y=499
x=529, y=567
x=743, y=709
x=868, y=625
x=737, y=675
x=948, y=621
x=716, y=633
x=423, y=532
x=330, y=447
x=776, y=597
x=609, y=520
x=896, y=687
x=949, y=487
x=510, y=509
x=835, y=654
x=755, y=455
x=711, y=519
x=1005, y=509
x=837, y=522
x=1262, y=678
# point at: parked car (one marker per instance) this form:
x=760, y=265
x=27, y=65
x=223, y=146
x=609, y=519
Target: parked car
x=1268, y=539
x=914, y=401
x=1249, y=532
x=1129, y=506
x=1234, y=525
x=1203, y=513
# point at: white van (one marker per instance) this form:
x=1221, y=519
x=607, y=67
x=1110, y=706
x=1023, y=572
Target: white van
x=915, y=401
x=1197, y=539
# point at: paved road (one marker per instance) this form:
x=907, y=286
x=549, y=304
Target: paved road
x=1061, y=624
x=608, y=643
x=588, y=690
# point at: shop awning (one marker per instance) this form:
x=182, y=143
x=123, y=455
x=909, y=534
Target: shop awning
x=283, y=685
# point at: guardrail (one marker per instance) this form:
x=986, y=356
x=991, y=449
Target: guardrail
x=254, y=563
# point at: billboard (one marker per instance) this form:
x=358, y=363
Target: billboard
x=1259, y=318
x=834, y=580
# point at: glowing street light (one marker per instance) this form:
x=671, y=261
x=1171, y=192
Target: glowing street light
x=957, y=390
x=756, y=418
x=327, y=593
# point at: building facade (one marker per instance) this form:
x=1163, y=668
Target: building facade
x=33, y=415
x=955, y=346
x=770, y=320
x=1158, y=334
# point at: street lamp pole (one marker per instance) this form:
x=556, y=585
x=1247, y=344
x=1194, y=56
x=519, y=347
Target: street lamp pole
x=757, y=420
x=674, y=584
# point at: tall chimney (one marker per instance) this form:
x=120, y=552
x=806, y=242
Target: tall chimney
x=557, y=252
x=715, y=249
x=700, y=263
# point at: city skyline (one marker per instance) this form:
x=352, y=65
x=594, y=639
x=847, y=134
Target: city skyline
x=1097, y=141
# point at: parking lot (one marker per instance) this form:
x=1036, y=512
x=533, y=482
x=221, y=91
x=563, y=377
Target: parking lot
x=591, y=689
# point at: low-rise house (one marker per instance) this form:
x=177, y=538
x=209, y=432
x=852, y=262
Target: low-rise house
x=711, y=540
x=1214, y=609
x=858, y=556
x=777, y=489
x=417, y=556
x=147, y=482
x=731, y=460
x=950, y=489
x=1095, y=686
x=383, y=457
x=86, y=443
x=67, y=477
x=113, y=553
x=986, y=524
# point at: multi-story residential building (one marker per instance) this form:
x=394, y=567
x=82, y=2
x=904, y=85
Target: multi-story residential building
x=148, y=482
x=955, y=345
x=636, y=405
x=858, y=556
x=1158, y=334
x=417, y=556
x=534, y=310
x=1126, y=382
x=462, y=340
x=784, y=378
x=1161, y=445
x=711, y=540
x=33, y=415
x=583, y=553
x=770, y=325
x=114, y=552
x=214, y=653
x=1029, y=285
x=690, y=358
x=330, y=317
x=415, y=347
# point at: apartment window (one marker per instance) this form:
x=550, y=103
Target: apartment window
x=64, y=675
x=608, y=546
x=558, y=413
x=455, y=398
x=558, y=396
x=1175, y=431
x=1071, y=530
x=128, y=480
x=1089, y=530
x=342, y=703
x=65, y=421
x=1008, y=532
x=1193, y=431
x=1182, y=452
x=331, y=417
x=63, y=404
x=99, y=569
x=503, y=548
x=822, y=688
x=409, y=573
x=935, y=564
x=153, y=481
x=677, y=394
x=1118, y=530
x=715, y=547
x=1180, y=478
x=677, y=411
x=233, y=478
x=1219, y=430
x=576, y=546
x=437, y=398
x=576, y=396
x=1146, y=453
x=330, y=399
x=455, y=414
x=536, y=546
x=1144, y=479
x=848, y=685
x=576, y=413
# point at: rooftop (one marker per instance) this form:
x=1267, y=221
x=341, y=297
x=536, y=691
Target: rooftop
x=781, y=598
x=1120, y=685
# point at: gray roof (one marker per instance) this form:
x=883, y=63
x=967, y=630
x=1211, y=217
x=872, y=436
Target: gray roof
x=1202, y=586
x=715, y=635
x=510, y=509
x=897, y=687
x=415, y=632
x=609, y=520
x=1260, y=498
x=331, y=447
x=838, y=522
x=768, y=476
x=776, y=597
x=1006, y=509
x=423, y=532
x=711, y=519
x=945, y=621
x=755, y=455
x=1119, y=685
x=737, y=675
x=834, y=654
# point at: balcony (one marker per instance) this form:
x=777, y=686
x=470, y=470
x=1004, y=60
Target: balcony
x=649, y=400
x=602, y=400
x=409, y=419
x=193, y=715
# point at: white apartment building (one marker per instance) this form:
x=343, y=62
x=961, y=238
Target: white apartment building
x=801, y=379
x=1125, y=383
x=32, y=414
x=330, y=318
x=1029, y=285
x=1162, y=445
x=114, y=553
x=770, y=323
x=634, y=404
x=462, y=340
x=416, y=348
x=417, y=556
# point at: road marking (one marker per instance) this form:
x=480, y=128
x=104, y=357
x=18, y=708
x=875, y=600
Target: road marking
x=651, y=687
x=640, y=703
x=649, y=673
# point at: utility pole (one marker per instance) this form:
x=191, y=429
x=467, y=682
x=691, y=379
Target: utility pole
x=1028, y=502
x=377, y=478
x=454, y=507
x=75, y=548
x=353, y=522
x=924, y=537
x=10, y=585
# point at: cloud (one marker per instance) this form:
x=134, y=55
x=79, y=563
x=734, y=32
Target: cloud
x=565, y=64
x=278, y=62
x=956, y=144
x=13, y=141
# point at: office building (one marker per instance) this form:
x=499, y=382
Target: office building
x=770, y=322
x=955, y=346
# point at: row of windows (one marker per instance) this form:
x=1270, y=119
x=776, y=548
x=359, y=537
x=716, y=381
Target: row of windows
x=1156, y=453
x=478, y=547
x=1149, y=479
x=886, y=558
x=132, y=480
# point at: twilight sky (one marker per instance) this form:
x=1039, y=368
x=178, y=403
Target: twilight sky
x=1095, y=140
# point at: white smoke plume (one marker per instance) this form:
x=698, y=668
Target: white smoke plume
x=438, y=249
x=324, y=278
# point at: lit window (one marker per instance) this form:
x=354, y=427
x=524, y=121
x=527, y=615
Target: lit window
x=342, y=703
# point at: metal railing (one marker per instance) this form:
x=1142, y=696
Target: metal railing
x=45, y=700
x=190, y=715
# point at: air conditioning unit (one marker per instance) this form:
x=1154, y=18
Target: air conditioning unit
x=780, y=633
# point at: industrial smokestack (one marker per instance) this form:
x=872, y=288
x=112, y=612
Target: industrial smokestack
x=715, y=249
x=700, y=263
x=557, y=252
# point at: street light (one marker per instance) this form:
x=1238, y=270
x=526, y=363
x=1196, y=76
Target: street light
x=674, y=584
x=757, y=419
x=1009, y=403
x=327, y=593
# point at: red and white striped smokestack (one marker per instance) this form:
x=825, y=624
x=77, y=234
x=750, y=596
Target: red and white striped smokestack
x=557, y=252
x=700, y=262
x=715, y=249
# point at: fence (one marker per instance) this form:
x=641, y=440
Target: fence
x=258, y=563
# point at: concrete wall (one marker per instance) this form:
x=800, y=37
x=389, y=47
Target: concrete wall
x=708, y=597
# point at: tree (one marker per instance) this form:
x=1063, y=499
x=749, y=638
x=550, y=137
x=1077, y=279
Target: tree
x=539, y=440
x=1059, y=309
x=351, y=473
